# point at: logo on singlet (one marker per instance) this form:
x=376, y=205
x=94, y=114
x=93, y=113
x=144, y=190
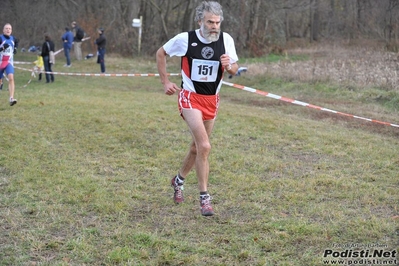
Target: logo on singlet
x=207, y=52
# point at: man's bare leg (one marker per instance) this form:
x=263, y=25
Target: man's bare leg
x=199, y=148
x=11, y=89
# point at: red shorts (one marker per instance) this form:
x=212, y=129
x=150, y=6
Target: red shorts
x=207, y=104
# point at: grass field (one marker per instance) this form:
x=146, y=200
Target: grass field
x=85, y=166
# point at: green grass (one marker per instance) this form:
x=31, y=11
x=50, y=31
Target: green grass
x=85, y=166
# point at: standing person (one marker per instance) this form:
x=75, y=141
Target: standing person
x=205, y=54
x=101, y=41
x=48, y=46
x=77, y=40
x=8, y=47
x=67, y=40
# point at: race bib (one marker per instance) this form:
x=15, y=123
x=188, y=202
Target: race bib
x=9, y=51
x=204, y=70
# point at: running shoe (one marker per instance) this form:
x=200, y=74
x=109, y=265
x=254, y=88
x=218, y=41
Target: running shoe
x=178, y=187
x=1, y=86
x=206, y=207
x=13, y=101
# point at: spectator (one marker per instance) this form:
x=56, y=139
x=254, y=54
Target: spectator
x=67, y=40
x=8, y=47
x=77, y=40
x=101, y=42
x=48, y=46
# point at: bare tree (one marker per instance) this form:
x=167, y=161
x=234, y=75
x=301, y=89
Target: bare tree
x=256, y=25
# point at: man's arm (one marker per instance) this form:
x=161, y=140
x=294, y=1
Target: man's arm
x=230, y=68
x=5, y=46
x=169, y=87
x=161, y=64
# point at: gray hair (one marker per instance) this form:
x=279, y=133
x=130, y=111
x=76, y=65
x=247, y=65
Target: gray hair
x=208, y=6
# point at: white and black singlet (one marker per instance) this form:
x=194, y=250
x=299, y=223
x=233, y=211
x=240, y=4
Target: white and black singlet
x=202, y=71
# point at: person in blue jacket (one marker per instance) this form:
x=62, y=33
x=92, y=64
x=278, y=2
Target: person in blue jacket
x=101, y=42
x=67, y=40
x=8, y=47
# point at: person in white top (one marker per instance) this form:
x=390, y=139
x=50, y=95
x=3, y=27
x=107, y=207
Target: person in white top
x=206, y=54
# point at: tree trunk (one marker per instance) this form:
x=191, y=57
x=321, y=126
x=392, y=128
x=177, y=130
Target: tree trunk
x=311, y=21
x=316, y=21
x=253, y=19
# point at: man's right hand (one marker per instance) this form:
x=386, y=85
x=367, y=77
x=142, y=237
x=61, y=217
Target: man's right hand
x=170, y=88
x=5, y=46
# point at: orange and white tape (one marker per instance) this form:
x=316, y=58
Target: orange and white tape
x=241, y=87
x=99, y=75
x=62, y=49
x=22, y=63
x=288, y=100
x=55, y=53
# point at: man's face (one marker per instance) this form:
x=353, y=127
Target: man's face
x=7, y=30
x=210, y=27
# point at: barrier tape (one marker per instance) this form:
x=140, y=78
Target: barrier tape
x=62, y=49
x=288, y=100
x=33, y=75
x=55, y=53
x=100, y=75
x=22, y=63
x=241, y=87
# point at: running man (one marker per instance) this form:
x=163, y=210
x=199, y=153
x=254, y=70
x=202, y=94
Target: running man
x=7, y=50
x=205, y=54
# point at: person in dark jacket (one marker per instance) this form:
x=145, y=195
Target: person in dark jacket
x=77, y=40
x=47, y=46
x=101, y=42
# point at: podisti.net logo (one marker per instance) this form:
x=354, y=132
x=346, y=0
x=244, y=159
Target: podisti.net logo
x=360, y=257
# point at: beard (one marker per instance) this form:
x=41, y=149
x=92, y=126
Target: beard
x=210, y=35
